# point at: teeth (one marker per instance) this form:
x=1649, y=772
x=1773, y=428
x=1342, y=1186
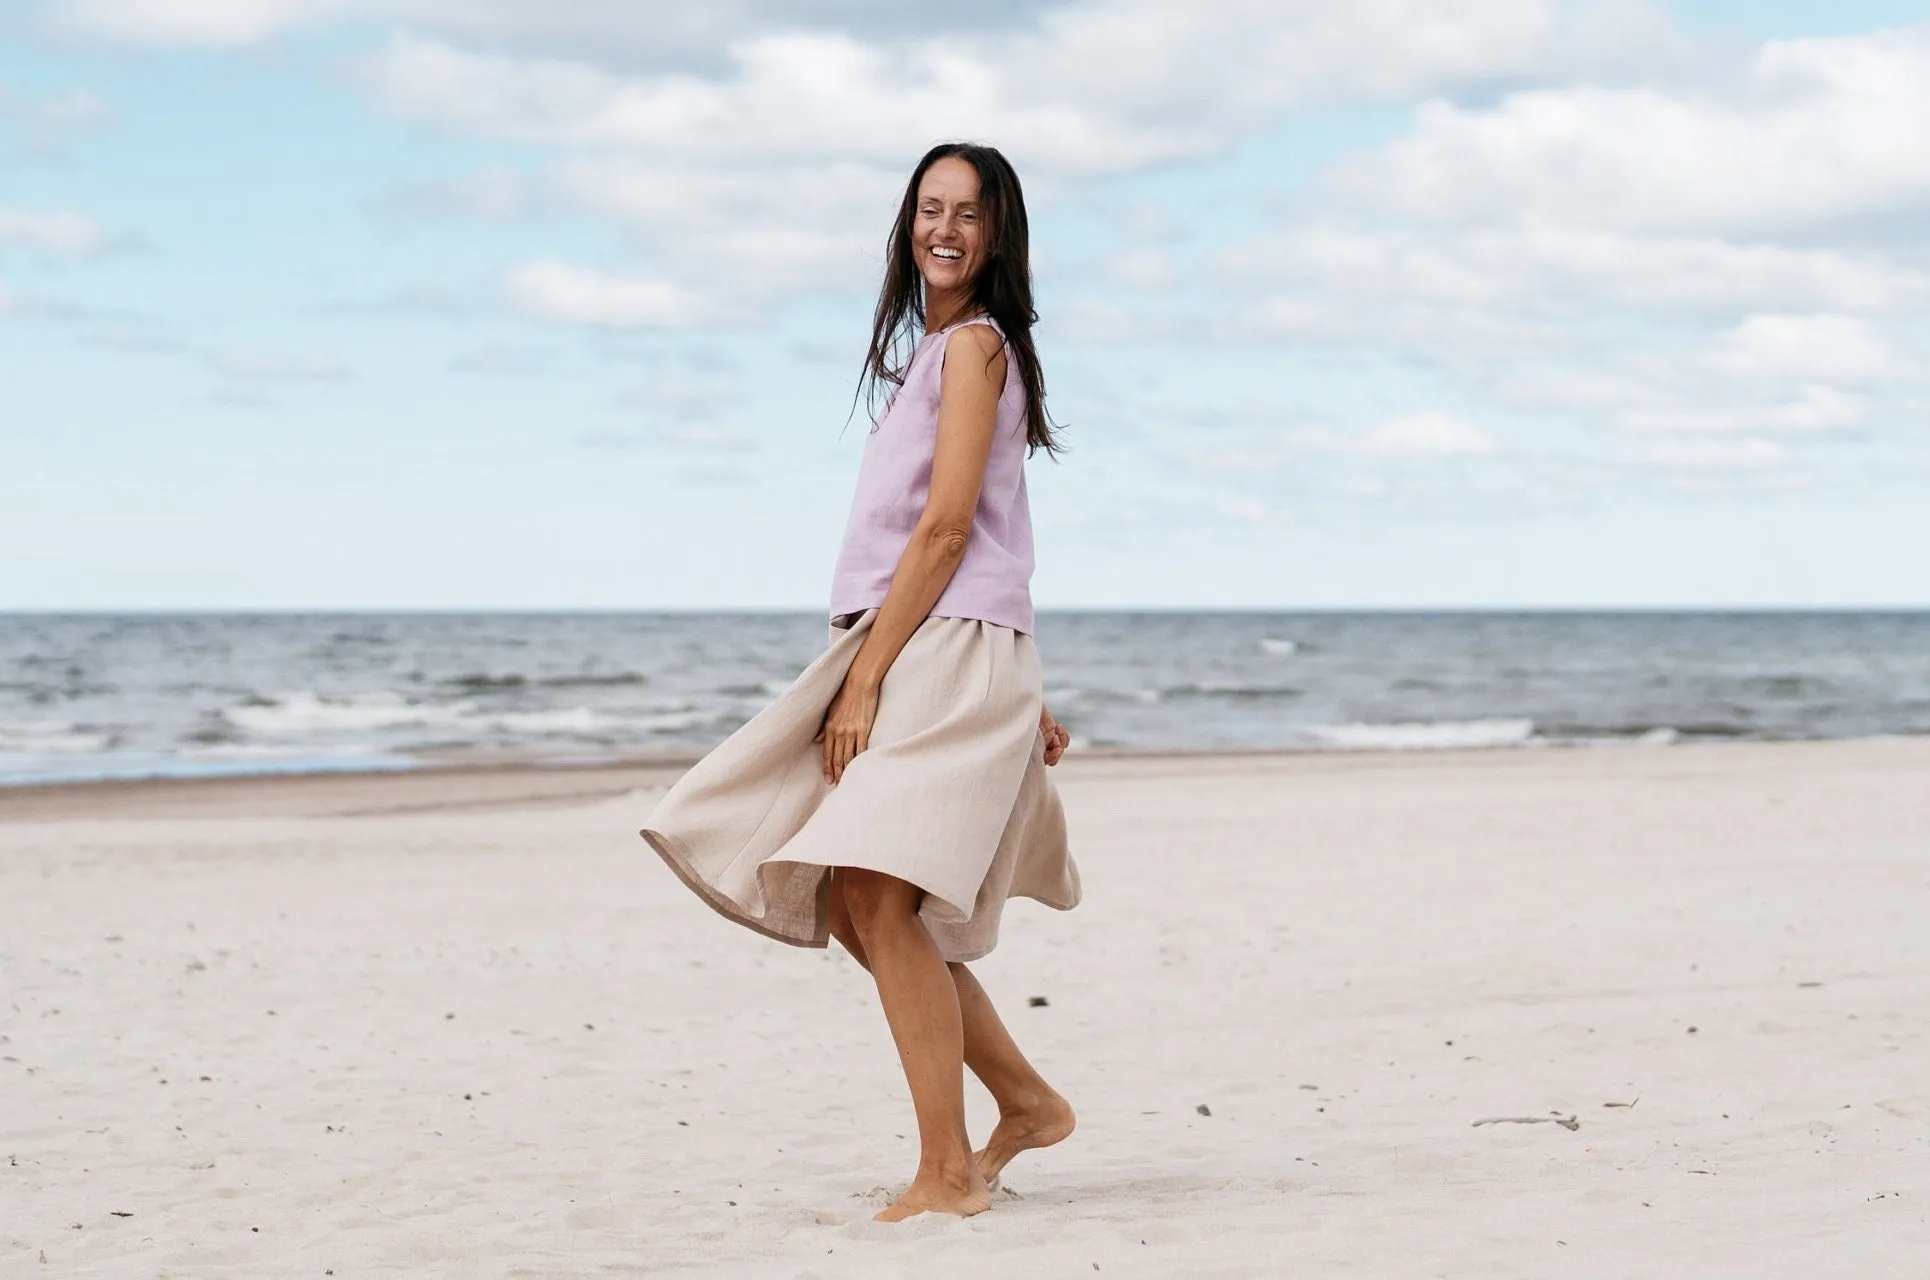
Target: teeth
x=947, y=253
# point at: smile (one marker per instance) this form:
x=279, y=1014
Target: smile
x=948, y=255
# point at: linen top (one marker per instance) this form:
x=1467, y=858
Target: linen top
x=994, y=580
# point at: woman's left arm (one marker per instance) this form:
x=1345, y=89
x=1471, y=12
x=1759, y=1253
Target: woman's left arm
x=969, y=390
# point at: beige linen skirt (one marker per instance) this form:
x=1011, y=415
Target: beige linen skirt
x=951, y=795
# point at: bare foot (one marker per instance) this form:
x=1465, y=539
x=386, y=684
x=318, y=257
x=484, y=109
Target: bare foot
x=1025, y=1128
x=962, y=1193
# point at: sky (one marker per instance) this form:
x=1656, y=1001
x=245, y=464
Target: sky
x=1404, y=303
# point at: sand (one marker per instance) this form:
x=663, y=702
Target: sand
x=467, y=1025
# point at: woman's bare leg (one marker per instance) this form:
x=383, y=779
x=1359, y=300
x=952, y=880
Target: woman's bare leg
x=921, y=1006
x=839, y=920
x=1031, y=1112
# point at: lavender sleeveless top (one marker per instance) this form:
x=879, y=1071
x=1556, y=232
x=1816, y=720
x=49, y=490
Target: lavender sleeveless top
x=994, y=580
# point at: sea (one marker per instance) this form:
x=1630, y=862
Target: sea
x=121, y=696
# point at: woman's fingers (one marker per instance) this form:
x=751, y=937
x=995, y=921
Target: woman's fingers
x=842, y=745
x=846, y=731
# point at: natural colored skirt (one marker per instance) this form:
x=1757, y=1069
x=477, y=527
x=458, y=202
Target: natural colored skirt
x=951, y=795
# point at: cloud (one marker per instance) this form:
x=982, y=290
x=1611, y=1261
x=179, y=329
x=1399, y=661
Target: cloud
x=700, y=438
x=136, y=335
x=1811, y=410
x=1428, y=435
x=1714, y=271
x=510, y=362
x=15, y=305
x=1813, y=130
x=772, y=169
x=279, y=367
x=56, y=233
x=687, y=395
x=45, y=125
x=752, y=168
x=1542, y=270
x=549, y=290
x=607, y=28
x=420, y=298
x=1712, y=455
x=191, y=22
x=1834, y=349
x=1102, y=87
x=710, y=436
x=497, y=193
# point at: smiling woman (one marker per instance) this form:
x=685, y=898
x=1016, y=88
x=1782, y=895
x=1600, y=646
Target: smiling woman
x=942, y=243
x=895, y=796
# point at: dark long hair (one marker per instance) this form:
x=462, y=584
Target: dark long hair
x=1002, y=288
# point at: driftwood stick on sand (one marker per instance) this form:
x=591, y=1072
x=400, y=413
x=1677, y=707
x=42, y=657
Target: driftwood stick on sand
x=1566, y=1122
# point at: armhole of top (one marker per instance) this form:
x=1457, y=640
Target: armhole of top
x=983, y=321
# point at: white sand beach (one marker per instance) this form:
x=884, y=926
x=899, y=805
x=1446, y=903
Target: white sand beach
x=466, y=1024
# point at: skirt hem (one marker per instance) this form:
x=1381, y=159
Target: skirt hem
x=677, y=857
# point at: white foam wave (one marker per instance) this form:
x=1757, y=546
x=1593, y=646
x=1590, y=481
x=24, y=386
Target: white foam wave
x=672, y=722
x=1276, y=647
x=574, y=720
x=307, y=712
x=1229, y=689
x=1660, y=736
x=51, y=738
x=1438, y=735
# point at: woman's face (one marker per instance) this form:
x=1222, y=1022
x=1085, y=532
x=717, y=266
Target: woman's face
x=950, y=231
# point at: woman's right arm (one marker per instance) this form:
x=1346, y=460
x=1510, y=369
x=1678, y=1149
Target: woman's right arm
x=969, y=389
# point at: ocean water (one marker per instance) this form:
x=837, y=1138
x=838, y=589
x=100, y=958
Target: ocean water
x=123, y=696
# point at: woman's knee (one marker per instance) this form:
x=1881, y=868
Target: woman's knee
x=872, y=898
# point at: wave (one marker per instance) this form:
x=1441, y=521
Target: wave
x=306, y=712
x=1427, y=735
x=756, y=689
x=1229, y=689
x=1276, y=647
x=484, y=683
x=307, y=715
x=575, y=720
x=54, y=738
x=612, y=680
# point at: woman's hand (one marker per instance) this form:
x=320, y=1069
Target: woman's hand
x=1056, y=737
x=847, y=726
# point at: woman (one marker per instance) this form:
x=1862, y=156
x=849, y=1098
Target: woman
x=896, y=795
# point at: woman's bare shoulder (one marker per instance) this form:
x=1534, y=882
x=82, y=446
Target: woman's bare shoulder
x=976, y=338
